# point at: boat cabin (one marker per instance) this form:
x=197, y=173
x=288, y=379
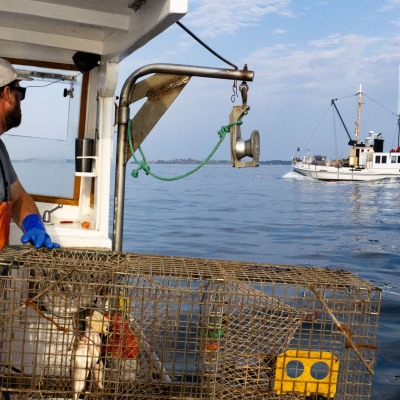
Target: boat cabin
x=63, y=149
x=72, y=50
x=370, y=154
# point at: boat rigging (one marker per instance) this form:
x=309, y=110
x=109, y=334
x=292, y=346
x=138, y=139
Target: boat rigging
x=366, y=160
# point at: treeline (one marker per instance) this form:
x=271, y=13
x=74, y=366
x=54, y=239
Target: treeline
x=214, y=162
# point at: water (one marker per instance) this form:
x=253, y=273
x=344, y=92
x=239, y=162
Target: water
x=271, y=215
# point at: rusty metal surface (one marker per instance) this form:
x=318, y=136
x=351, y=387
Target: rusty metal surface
x=160, y=90
x=176, y=327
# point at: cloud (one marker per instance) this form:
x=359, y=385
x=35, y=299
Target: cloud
x=223, y=17
x=325, y=61
x=390, y=5
x=279, y=31
x=329, y=41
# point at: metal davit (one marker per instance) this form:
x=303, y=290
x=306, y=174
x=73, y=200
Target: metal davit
x=168, y=82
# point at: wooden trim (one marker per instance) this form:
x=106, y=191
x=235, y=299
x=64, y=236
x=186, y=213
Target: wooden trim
x=42, y=64
x=84, y=99
x=81, y=130
x=55, y=200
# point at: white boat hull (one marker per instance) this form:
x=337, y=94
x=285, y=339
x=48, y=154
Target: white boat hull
x=331, y=173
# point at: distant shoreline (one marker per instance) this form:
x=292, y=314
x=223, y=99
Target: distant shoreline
x=182, y=161
x=214, y=162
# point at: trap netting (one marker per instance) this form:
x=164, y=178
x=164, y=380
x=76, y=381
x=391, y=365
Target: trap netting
x=104, y=325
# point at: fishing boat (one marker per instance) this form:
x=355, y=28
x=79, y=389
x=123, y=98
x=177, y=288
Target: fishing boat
x=367, y=161
x=72, y=50
x=89, y=320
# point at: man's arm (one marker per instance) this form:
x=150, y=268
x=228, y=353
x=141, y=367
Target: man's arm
x=26, y=215
x=23, y=204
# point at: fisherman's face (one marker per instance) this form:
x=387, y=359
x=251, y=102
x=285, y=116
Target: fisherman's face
x=14, y=116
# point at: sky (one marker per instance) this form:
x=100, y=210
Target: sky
x=303, y=54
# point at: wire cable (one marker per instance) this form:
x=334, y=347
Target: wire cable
x=51, y=83
x=205, y=45
x=380, y=105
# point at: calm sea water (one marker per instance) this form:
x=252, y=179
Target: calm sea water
x=271, y=215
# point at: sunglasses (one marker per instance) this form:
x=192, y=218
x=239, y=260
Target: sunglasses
x=21, y=92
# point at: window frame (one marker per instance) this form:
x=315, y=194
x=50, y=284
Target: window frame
x=74, y=201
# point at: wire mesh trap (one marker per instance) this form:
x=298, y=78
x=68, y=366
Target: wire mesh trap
x=85, y=324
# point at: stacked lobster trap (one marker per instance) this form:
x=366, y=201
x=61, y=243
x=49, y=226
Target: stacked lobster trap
x=102, y=325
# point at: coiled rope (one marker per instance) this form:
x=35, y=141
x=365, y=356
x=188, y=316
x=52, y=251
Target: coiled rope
x=142, y=164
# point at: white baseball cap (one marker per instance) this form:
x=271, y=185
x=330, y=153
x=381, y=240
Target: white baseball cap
x=8, y=74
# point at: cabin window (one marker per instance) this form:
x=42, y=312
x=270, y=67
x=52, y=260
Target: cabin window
x=398, y=159
x=394, y=159
x=384, y=159
x=377, y=159
x=42, y=148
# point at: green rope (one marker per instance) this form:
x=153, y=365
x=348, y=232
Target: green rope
x=142, y=165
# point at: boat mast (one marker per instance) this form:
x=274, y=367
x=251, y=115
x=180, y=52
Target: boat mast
x=357, y=132
x=398, y=114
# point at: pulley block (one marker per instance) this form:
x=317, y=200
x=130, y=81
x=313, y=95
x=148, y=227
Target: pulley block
x=240, y=148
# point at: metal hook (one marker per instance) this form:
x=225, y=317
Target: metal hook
x=234, y=90
x=244, y=88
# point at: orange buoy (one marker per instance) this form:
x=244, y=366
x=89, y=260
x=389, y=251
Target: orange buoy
x=122, y=342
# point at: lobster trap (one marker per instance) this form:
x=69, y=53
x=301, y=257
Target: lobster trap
x=102, y=325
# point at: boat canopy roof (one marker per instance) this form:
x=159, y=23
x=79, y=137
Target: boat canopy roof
x=54, y=30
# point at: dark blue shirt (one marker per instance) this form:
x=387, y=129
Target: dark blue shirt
x=9, y=171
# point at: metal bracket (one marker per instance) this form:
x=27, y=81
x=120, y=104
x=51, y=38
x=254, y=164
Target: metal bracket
x=161, y=90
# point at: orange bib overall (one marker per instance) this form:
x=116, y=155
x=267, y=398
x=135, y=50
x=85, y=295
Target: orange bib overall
x=5, y=219
x=5, y=212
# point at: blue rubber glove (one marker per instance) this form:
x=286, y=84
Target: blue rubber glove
x=35, y=232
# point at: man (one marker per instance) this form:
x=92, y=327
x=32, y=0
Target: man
x=16, y=203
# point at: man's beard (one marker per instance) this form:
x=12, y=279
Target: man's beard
x=13, y=119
